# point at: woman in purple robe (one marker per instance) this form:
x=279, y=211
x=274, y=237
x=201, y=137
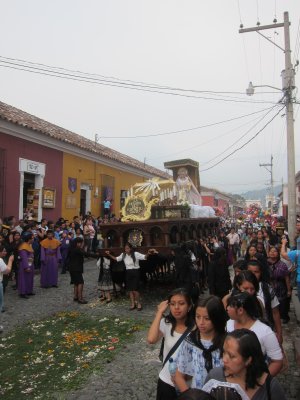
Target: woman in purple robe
x=50, y=257
x=26, y=267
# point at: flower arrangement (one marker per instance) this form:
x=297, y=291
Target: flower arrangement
x=58, y=353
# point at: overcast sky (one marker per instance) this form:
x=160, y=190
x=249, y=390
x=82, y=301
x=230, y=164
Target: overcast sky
x=187, y=44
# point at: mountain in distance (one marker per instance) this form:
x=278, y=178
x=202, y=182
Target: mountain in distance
x=261, y=194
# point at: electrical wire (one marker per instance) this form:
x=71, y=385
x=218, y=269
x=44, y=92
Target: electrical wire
x=297, y=44
x=240, y=138
x=187, y=129
x=204, y=143
x=243, y=40
x=238, y=184
x=120, y=84
x=108, y=78
x=245, y=144
x=257, y=12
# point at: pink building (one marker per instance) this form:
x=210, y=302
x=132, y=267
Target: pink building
x=26, y=168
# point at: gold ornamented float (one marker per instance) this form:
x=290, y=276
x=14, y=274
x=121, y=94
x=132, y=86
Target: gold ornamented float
x=161, y=213
x=143, y=196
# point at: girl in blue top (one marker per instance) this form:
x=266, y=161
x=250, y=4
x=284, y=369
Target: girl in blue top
x=201, y=350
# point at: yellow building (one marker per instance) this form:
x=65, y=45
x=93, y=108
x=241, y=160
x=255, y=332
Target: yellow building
x=94, y=183
x=58, y=173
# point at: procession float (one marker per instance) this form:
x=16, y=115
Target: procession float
x=162, y=213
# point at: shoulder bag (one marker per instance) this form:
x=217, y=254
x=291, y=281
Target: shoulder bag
x=174, y=348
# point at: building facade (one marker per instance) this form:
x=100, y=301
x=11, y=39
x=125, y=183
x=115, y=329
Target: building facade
x=55, y=172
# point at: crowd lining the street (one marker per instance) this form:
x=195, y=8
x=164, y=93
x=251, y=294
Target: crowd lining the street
x=229, y=341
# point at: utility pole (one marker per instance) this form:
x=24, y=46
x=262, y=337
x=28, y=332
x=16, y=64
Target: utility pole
x=288, y=85
x=272, y=182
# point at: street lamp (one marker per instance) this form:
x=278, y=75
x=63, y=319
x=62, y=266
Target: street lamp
x=288, y=85
x=251, y=87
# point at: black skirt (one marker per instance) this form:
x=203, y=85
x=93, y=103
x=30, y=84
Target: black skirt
x=165, y=391
x=76, y=278
x=132, y=279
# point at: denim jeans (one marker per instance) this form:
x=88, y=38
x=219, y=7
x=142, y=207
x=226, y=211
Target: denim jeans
x=298, y=290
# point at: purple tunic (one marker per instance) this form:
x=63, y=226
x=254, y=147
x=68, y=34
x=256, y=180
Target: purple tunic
x=26, y=272
x=49, y=266
x=278, y=273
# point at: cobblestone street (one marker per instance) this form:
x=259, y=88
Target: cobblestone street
x=133, y=372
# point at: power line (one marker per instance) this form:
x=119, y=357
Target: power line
x=55, y=72
x=243, y=40
x=238, y=184
x=185, y=130
x=107, y=78
x=297, y=44
x=240, y=138
x=250, y=140
x=206, y=142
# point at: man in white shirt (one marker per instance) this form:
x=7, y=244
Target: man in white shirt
x=234, y=243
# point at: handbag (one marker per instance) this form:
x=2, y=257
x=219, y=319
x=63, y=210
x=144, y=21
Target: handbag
x=175, y=347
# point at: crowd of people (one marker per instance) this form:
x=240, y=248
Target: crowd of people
x=46, y=247
x=229, y=344
x=227, y=340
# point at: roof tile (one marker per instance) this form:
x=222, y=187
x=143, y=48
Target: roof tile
x=19, y=117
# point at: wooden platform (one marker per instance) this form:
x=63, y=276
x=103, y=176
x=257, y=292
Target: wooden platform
x=161, y=234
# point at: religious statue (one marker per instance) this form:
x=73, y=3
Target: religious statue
x=186, y=190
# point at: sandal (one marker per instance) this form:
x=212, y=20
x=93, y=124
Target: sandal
x=75, y=299
x=108, y=301
x=132, y=307
x=139, y=307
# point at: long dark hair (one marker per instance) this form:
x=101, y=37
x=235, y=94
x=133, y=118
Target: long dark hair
x=217, y=315
x=265, y=287
x=74, y=242
x=249, y=347
x=131, y=251
x=248, y=302
x=218, y=318
x=247, y=257
x=245, y=276
x=220, y=256
x=278, y=252
x=170, y=319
